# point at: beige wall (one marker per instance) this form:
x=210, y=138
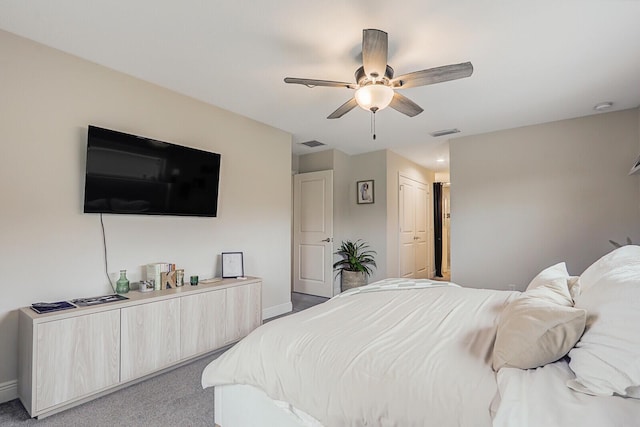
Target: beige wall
x=314, y=162
x=375, y=223
x=442, y=177
x=368, y=221
x=341, y=205
x=339, y=163
x=353, y=221
x=51, y=251
x=526, y=198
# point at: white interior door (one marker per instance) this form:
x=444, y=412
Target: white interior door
x=407, y=231
x=313, y=233
x=422, y=230
x=414, y=229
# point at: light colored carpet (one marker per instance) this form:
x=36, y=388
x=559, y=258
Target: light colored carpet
x=175, y=398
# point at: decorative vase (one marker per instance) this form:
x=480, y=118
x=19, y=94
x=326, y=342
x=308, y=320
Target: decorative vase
x=353, y=279
x=122, y=285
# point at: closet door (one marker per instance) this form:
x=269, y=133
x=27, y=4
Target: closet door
x=414, y=229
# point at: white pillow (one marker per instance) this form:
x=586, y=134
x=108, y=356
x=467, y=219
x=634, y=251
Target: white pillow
x=551, y=284
x=606, y=360
x=574, y=286
x=533, y=332
x=621, y=257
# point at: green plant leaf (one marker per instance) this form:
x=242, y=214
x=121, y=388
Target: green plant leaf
x=356, y=257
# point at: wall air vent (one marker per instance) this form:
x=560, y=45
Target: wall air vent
x=444, y=132
x=312, y=144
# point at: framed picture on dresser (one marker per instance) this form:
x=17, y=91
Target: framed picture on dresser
x=232, y=265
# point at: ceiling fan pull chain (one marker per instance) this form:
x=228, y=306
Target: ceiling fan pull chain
x=373, y=124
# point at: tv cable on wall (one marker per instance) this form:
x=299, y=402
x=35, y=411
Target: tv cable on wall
x=106, y=262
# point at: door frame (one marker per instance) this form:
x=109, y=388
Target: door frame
x=322, y=237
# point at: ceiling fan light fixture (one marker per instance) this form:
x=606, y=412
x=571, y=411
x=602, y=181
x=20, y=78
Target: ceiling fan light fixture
x=374, y=97
x=375, y=81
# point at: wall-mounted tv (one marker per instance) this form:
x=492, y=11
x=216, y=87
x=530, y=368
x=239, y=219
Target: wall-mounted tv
x=129, y=174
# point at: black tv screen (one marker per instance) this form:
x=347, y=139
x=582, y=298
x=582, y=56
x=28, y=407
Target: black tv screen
x=129, y=174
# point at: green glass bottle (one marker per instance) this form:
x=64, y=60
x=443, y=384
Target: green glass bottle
x=122, y=285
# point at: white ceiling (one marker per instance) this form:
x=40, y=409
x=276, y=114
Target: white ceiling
x=534, y=61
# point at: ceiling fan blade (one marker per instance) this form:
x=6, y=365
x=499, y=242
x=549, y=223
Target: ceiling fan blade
x=374, y=52
x=312, y=82
x=343, y=109
x=405, y=105
x=433, y=75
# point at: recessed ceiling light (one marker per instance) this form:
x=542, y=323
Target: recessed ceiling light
x=603, y=106
x=440, y=160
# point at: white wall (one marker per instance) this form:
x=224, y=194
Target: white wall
x=526, y=198
x=50, y=250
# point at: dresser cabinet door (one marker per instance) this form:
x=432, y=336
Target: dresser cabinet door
x=76, y=357
x=244, y=310
x=202, y=323
x=150, y=338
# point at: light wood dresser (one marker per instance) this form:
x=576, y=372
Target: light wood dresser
x=70, y=357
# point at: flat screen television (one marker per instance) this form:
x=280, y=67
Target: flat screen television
x=129, y=174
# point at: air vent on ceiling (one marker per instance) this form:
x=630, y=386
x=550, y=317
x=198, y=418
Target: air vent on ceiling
x=312, y=144
x=444, y=132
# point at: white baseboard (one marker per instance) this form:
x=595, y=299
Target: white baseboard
x=8, y=391
x=276, y=310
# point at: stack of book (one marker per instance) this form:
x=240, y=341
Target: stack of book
x=155, y=270
x=48, y=307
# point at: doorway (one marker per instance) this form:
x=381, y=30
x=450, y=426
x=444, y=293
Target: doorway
x=446, y=231
x=313, y=233
x=442, y=229
x=415, y=260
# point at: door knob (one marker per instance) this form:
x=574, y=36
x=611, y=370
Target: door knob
x=328, y=239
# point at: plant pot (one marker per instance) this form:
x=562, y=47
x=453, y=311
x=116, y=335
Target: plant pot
x=352, y=279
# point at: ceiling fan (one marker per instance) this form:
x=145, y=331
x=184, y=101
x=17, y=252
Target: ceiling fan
x=375, y=85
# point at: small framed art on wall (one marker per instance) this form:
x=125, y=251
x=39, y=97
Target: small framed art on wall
x=365, y=193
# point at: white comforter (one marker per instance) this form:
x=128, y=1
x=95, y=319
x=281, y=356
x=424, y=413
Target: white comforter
x=540, y=398
x=409, y=356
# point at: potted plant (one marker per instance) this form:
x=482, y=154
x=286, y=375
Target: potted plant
x=355, y=265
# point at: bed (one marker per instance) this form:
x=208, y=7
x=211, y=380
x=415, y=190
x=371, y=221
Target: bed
x=403, y=352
